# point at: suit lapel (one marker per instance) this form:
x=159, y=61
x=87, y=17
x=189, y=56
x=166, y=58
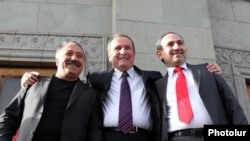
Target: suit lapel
x=45, y=86
x=77, y=91
x=141, y=73
x=196, y=72
x=107, y=78
x=162, y=87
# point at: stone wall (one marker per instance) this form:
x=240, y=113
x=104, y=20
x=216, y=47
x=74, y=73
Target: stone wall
x=37, y=47
x=214, y=30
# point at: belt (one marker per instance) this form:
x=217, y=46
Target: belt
x=132, y=131
x=196, y=132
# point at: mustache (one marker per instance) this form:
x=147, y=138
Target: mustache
x=70, y=62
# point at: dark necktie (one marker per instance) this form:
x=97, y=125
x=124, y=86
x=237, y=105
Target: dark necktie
x=183, y=104
x=125, y=109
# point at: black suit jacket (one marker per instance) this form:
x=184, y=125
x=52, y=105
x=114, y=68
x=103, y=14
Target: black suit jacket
x=102, y=80
x=215, y=93
x=81, y=121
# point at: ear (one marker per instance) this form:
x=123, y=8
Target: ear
x=109, y=58
x=158, y=53
x=57, y=62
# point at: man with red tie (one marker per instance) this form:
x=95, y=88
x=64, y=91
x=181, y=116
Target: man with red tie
x=207, y=100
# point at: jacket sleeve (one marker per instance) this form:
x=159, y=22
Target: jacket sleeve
x=11, y=116
x=231, y=104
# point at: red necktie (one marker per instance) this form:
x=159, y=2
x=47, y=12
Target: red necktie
x=125, y=109
x=183, y=104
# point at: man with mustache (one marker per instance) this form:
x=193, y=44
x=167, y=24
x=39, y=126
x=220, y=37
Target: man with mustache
x=59, y=108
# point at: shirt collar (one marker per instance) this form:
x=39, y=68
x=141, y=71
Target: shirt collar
x=131, y=73
x=171, y=69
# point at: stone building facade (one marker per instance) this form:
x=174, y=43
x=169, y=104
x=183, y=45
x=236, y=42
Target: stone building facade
x=214, y=31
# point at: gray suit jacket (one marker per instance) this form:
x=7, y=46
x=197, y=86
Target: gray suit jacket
x=81, y=119
x=215, y=93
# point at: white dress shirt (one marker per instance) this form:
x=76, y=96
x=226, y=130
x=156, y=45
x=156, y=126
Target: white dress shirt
x=140, y=104
x=201, y=116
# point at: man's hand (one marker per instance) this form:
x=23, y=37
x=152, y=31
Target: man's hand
x=29, y=78
x=213, y=67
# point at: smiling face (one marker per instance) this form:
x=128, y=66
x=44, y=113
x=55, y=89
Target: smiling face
x=121, y=53
x=69, y=61
x=173, y=51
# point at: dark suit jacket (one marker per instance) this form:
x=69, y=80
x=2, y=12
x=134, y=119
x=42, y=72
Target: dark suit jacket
x=215, y=93
x=102, y=80
x=80, y=118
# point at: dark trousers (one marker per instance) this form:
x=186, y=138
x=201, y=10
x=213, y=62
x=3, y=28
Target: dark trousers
x=119, y=136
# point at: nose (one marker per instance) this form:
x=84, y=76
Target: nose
x=176, y=46
x=122, y=51
x=74, y=57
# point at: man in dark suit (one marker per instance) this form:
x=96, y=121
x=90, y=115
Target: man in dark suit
x=145, y=107
x=212, y=100
x=60, y=108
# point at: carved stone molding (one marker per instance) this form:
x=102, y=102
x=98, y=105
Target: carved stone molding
x=40, y=48
x=235, y=65
x=228, y=59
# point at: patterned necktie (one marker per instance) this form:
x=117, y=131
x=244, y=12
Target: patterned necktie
x=183, y=104
x=125, y=110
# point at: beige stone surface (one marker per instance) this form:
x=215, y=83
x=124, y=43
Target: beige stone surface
x=214, y=30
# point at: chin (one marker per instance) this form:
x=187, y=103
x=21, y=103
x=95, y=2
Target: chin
x=75, y=72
